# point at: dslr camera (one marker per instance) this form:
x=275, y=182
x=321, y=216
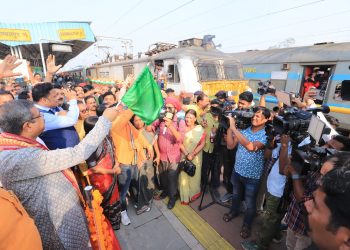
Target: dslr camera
x=265, y=88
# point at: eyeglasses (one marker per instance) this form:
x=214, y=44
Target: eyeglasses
x=36, y=117
x=84, y=111
x=169, y=108
x=40, y=115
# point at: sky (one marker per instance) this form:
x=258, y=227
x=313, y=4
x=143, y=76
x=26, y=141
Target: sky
x=238, y=25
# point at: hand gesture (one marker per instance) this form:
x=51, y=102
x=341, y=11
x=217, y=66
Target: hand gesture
x=150, y=154
x=285, y=139
x=232, y=122
x=51, y=65
x=116, y=168
x=167, y=122
x=110, y=114
x=157, y=161
x=289, y=170
x=190, y=157
x=204, y=123
x=69, y=94
x=7, y=66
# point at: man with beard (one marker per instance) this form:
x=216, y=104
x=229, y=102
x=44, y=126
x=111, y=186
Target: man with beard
x=91, y=105
x=169, y=141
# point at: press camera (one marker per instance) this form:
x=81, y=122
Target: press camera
x=265, y=88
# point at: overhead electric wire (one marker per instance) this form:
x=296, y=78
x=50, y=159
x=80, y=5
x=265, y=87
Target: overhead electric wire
x=199, y=14
x=125, y=13
x=159, y=17
x=257, y=17
x=275, y=40
x=291, y=24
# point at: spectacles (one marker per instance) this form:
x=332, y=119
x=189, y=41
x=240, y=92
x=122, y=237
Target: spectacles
x=84, y=111
x=169, y=108
x=40, y=115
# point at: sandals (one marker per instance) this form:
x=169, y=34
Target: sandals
x=229, y=216
x=245, y=232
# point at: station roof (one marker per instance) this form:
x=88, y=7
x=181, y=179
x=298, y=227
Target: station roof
x=28, y=36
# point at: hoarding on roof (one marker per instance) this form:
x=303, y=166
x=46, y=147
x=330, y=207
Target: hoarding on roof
x=71, y=34
x=14, y=34
x=20, y=35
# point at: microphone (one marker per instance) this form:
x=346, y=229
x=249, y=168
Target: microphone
x=324, y=109
x=169, y=116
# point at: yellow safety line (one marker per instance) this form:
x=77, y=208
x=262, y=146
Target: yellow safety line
x=201, y=230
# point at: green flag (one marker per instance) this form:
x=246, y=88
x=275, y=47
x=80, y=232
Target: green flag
x=144, y=97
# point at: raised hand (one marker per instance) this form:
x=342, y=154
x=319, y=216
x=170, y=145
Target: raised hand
x=51, y=67
x=7, y=66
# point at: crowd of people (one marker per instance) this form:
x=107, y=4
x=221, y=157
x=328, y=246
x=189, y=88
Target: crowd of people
x=56, y=140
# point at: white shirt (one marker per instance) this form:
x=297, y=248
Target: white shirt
x=276, y=181
x=59, y=121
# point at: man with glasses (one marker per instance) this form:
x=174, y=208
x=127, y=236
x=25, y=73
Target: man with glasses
x=169, y=141
x=40, y=178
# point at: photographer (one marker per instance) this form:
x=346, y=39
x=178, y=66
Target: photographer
x=210, y=123
x=270, y=227
x=328, y=212
x=248, y=166
x=227, y=155
x=169, y=141
x=302, y=191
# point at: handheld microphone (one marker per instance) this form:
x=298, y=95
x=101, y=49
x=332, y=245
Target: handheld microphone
x=324, y=109
x=169, y=116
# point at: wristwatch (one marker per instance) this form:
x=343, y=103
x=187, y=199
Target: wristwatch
x=295, y=176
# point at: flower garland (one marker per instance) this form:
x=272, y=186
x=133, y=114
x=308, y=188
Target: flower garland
x=99, y=234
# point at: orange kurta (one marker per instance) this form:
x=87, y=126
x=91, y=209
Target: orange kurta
x=18, y=230
x=120, y=133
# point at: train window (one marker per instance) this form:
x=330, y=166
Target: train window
x=231, y=71
x=208, y=72
x=173, y=74
x=342, y=91
x=128, y=70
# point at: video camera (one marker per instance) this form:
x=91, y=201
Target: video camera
x=242, y=117
x=293, y=122
x=310, y=157
x=265, y=88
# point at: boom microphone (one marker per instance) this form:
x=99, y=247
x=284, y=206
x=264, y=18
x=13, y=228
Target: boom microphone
x=324, y=109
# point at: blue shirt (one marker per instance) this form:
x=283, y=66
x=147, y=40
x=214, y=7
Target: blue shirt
x=60, y=121
x=275, y=181
x=250, y=164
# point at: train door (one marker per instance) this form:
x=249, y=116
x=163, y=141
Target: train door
x=171, y=71
x=318, y=77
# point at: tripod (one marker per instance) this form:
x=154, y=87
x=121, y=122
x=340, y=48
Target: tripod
x=214, y=201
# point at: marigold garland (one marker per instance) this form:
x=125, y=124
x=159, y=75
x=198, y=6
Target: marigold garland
x=99, y=234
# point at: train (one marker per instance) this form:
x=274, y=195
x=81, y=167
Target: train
x=191, y=66
x=287, y=69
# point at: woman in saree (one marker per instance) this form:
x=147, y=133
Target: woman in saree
x=102, y=171
x=193, y=143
